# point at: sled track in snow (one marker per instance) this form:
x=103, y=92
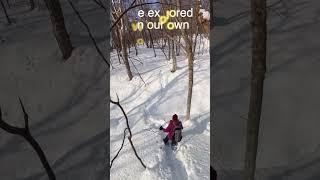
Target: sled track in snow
x=177, y=167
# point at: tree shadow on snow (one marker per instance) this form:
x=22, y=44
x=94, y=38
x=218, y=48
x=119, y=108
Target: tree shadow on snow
x=93, y=160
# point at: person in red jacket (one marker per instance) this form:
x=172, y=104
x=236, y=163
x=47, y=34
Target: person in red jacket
x=174, y=125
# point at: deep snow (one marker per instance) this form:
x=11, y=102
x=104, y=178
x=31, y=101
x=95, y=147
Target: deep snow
x=65, y=100
x=148, y=107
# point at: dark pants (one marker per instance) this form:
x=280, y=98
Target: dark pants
x=213, y=173
x=166, y=139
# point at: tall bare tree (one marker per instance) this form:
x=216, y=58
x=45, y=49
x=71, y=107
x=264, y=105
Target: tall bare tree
x=122, y=36
x=5, y=12
x=190, y=55
x=59, y=28
x=173, y=57
x=258, y=69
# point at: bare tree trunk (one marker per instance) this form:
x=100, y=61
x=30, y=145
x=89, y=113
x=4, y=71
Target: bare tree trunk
x=119, y=58
x=152, y=44
x=169, y=47
x=174, y=57
x=133, y=38
x=125, y=54
x=124, y=48
x=258, y=69
x=190, y=81
x=178, y=48
x=59, y=28
x=189, y=51
x=117, y=44
x=32, y=4
x=5, y=12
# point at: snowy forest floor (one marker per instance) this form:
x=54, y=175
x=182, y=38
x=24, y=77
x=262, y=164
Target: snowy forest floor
x=150, y=106
x=65, y=100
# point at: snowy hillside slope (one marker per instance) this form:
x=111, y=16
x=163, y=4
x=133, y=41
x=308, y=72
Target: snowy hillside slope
x=148, y=107
x=65, y=100
x=289, y=132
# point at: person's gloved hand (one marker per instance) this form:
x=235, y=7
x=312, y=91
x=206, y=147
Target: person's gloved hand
x=161, y=128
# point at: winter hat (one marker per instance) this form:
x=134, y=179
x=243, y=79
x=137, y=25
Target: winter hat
x=175, y=117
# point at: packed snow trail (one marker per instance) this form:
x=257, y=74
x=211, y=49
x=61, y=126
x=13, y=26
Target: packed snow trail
x=150, y=106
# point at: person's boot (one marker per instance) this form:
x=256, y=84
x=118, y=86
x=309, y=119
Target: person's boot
x=174, y=145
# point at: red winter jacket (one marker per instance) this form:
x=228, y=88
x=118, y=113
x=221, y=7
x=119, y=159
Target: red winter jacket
x=171, y=127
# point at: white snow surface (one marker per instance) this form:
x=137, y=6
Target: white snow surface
x=149, y=106
x=65, y=100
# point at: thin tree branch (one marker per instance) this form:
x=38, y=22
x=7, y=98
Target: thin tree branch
x=99, y=3
x=124, y=137
x=25, y=133
x=124, y=113
x=5, y=12
x=162, y=49
x=25, y=115
x=181, y=45
x=135, y=152
x=89, y=32
x=137, y=71
x=127, y=121
x=10, y=129
x=139, y=60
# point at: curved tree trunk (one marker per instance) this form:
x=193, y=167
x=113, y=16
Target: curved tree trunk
x=59, y=28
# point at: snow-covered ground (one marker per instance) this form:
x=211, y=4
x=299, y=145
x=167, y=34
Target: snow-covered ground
x=150, y=106
x=65, y=100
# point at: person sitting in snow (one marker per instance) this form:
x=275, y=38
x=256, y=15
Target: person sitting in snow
x=174, y=131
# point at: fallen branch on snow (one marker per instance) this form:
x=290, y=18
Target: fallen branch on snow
x=124, y=137
x=130, y=134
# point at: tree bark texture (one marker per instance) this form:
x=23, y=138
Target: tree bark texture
x=258, y=69
x=59, y=28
